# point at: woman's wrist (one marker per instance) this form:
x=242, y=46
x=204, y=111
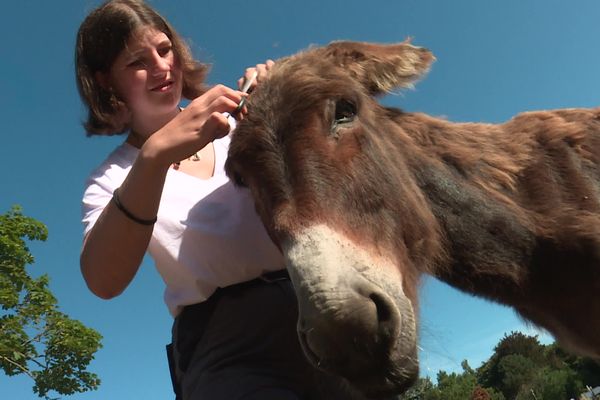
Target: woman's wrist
x=153, y=158
x=129, y=214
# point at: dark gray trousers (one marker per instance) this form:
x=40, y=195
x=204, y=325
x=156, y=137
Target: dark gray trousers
x=242, y=344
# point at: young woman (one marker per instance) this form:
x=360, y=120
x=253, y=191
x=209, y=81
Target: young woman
x=164, y=191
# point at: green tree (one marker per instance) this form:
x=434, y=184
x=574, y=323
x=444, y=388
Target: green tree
x=515, y=359
x=520, y=343
x=522, y=368
x=519, y=369
x=418, y=391
x=454, y=386
x=36, y=339
x=515, y=371
x=586, y=369
x=492, y=394
x=556, y=384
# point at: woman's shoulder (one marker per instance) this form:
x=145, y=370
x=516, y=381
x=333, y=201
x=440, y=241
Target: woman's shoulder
x=118, y=162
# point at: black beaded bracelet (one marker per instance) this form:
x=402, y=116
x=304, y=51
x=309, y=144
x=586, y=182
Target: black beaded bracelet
x=128, y=214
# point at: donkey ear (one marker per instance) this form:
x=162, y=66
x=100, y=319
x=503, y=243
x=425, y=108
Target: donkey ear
x=382, y=68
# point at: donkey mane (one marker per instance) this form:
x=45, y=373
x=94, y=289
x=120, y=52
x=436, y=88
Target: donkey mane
x=512, y=161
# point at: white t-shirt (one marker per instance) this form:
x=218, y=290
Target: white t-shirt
x=207, y=235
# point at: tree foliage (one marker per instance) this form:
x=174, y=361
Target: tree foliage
x=520, y=368
x=36, y=339
x=451, y=386
x=418, y=391
x=480, y=393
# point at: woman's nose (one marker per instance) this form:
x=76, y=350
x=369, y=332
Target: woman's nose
x=160, y=65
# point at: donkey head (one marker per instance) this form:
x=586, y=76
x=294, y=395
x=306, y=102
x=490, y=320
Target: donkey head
x=322, y=160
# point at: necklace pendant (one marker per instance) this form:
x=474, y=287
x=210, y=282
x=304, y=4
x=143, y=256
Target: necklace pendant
x=194, y=157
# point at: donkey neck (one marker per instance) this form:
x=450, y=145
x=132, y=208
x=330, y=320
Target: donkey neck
x=486, y=236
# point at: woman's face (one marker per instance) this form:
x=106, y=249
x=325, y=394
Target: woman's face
x=147, y=75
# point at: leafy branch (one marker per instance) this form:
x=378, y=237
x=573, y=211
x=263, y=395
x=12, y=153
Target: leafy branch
x=31, y=326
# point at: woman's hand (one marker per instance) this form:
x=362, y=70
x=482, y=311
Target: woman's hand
x=262, y=71
x=201, y=122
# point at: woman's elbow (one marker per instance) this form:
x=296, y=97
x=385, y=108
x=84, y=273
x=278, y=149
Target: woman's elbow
x=99, y=285
x=102, y=292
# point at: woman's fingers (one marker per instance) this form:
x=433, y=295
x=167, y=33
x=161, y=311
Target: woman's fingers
x=218, y=99
x=219, y=91
x=217, y=125
x=213, y=123
x=222, y=105
x=263, y=70
x=199, y=123
x=257, y=73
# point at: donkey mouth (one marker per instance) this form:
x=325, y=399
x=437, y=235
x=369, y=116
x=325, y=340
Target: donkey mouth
x=372, y=367
x=373, y=379
x=312, y=357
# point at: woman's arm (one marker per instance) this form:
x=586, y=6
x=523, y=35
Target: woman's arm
x=113, y=249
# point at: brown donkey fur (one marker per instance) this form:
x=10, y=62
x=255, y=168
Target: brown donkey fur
x=508, y=212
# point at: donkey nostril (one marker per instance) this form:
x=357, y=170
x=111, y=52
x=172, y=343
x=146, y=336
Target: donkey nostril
x=384, y=312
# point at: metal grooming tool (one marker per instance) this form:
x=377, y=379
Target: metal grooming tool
x=245, y=88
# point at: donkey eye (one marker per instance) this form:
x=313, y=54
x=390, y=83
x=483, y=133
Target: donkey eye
x=345, y=111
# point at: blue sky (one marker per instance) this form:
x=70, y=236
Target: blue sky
x=495, y=59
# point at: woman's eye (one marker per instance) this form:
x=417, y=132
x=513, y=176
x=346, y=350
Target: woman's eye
x=136, y=63
x=345, y=111
x=163, y=51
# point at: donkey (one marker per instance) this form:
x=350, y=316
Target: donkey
x=363, y=199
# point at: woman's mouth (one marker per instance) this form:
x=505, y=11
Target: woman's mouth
x=163, y=87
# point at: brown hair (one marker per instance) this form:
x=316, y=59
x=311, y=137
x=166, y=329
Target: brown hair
x=100, y=39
